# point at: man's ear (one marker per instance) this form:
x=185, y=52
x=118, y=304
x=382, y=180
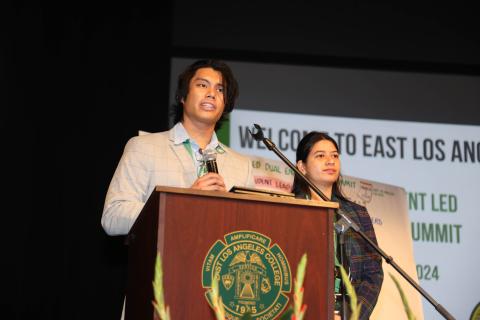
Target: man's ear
x=301, y=167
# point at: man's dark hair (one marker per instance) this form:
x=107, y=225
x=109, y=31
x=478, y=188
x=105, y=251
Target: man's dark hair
x=230, y=86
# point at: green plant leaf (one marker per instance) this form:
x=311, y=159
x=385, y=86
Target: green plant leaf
x=354, y=307
x=216, y=299
x=406, y=306
x=159, y=300
x=298, y=307
x=302, y=266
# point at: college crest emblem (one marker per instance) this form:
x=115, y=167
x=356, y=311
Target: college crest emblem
x=253, y=276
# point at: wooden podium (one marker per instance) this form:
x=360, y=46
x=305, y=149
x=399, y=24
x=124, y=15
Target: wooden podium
x=184, y=224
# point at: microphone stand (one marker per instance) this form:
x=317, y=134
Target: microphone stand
x=344, y=223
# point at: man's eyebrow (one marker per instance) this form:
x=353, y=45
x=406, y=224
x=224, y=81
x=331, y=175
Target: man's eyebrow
x=206, y=80
x=201, y=79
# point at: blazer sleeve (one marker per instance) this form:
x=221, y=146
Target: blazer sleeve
x=128, y=190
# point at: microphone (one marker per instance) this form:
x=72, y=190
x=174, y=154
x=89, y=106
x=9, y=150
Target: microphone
x=210, y=160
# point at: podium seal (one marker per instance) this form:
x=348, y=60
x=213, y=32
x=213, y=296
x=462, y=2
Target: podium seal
x=253, y=276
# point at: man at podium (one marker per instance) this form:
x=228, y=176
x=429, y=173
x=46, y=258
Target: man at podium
x=206, y=93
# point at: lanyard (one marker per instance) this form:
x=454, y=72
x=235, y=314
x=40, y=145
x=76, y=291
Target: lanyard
x=201, y=168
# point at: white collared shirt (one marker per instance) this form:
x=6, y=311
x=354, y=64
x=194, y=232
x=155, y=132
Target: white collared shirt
x=181, y=136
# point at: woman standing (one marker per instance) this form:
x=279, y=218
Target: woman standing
x=318, y=159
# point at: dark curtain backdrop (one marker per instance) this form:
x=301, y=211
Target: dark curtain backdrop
x=408, y=35
x=79, y=78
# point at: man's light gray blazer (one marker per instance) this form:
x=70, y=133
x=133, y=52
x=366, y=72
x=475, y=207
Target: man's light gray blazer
x=154, y=160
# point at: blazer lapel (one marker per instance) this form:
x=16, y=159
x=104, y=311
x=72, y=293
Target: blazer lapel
x=221, y=162
x=185, y=161
x=224, y=170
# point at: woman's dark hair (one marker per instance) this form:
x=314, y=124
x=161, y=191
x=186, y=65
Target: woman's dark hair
x=300, y=188
x=230, y=86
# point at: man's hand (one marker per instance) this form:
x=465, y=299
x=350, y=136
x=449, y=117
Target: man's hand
x=210, y=181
